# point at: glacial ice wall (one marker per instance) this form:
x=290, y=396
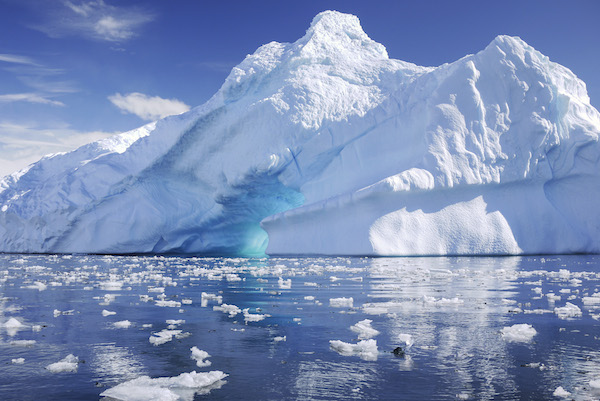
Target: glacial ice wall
x=328, y=146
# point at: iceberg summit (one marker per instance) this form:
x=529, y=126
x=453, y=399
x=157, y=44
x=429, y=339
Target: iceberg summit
x=328, y=146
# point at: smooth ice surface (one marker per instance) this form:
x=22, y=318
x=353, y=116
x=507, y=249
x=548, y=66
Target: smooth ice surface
x=327, y=146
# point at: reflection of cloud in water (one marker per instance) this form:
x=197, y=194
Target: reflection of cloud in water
x=453, y=316
x=115, y=364
x=326, y=380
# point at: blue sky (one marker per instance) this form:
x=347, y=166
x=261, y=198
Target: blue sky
x=72, y=71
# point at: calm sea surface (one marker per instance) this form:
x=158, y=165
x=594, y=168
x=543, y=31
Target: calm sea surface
x=268, y=324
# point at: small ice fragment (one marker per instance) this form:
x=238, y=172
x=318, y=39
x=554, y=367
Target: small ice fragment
x=518, y=333
x=232, y=310
x=341, y=302
x=205, y=298
x=406, y=339
x=123, y=324
x=168, y=304
x=182, y=387
x=253, y=317
x=36, y=327
x=186, y=301
x=18, y=361
x=68, y=364
x=279, y=338
x=310, y=284
x=463, y=396
x=365, y=349
x=568, y=311
x=561, y=392
x=593, y=300
x=111, y=285
x=13, y=326
x=309, y=298
x=23, y=343
x=200, y=357
x=364, y=329
x=164, y=336
x=285, y=284
x=38, y=285
x=108, y=313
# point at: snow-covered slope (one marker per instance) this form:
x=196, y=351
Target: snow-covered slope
x=326, y=145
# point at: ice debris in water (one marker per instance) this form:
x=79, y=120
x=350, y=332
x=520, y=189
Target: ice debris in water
x=364, y=329
x=365, y=349
x=13, y=326
x=285, y=284
x=568, y=311
x=518, y=333
x=182, y=387
x=253, y=317
x=17, y=361
x=406, y=339
x=164, y=336
x=561, y=392
x=232, y=310
x=341, y=302
x=38, y=285
x=200, y=357
x=206, y=297
x=123, y=324
x=68, y=364
x=23, y=343
x=108, y=313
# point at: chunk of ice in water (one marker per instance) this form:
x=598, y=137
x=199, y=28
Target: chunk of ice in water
x=364, y=329
x=200, y=357
x=365, y=349
x=518, y=333
x=68, y=364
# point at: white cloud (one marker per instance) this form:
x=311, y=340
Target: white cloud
x=16, y=59
x=147, y=107
x=95, y=19
x=30, y=98
x=23, y=144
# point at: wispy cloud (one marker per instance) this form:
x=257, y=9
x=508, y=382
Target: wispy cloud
x=95, y=19
x=22, y=144
x=30, y=98
x=148, y=107
x=16, y=59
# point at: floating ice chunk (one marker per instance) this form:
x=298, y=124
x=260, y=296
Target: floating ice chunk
x=182, y=387
x=123, y=324
x=68, y=364
x=442, y=301
x=341, y=302
x=200, y=357
x=561, y=392
x=285, y=284
x=174, y=322
x=38, y=285
x=592, y=300
x=280, y=338
x=164, y=336
x=519, y=333
x=58, y=313
x=311, y=284
x=186, y=301
x=309, y=298
x=111, y=285
x=568, y=311
x=13, y=326
x=553, y=297
x=406, y=339
x=210, y=297
x=108, y=313
x=17, y=361
x=365, y=349
x=168, y=304
x=364, y=329
x=253, y=317
x=232, y=310
x=537, y=290
x=23, y=343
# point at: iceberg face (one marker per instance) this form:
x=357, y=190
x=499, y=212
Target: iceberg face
x=328, y=146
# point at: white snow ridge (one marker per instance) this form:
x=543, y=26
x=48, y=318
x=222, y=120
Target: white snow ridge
x=328, y=146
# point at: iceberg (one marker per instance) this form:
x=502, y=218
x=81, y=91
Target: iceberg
x=328, y=146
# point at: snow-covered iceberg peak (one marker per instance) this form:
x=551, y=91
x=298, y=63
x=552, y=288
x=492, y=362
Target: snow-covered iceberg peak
x=326, y=145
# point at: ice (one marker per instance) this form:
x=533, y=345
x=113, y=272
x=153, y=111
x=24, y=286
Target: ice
x=166, y=335
x=365, y=349
x=38, y=285
x=364, y=329
x=284, y=284
x=519, y=333
x=200, y=357
x=168, y=304
x=341, y=302
x=280, y=338
x=13, y=326
x=183, y=387
x=327, y=146
x=205, y=298
x=23, y=343
x=17, y=361
x=253, y=317
x=123, y=324
x=68, y=364
x=568, y=311
x=108, y=313
x=232, y=310
x=561, y=392
x=407, y=339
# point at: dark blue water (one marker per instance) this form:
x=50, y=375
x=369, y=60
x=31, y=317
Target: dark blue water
x=454, y=310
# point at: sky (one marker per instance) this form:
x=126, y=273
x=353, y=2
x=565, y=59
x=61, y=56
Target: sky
x=73, y=71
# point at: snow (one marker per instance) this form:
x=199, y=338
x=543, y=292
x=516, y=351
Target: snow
x=327, y=146
x=519, y=333
x=365, y=349
x=68, y=364
x=182, y=387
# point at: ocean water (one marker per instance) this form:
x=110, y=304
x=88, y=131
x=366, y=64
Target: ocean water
x=454, y=319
